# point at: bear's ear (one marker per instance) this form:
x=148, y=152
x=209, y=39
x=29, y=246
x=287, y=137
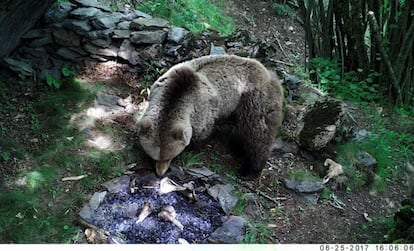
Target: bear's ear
x=183, y=133
x=144, y=126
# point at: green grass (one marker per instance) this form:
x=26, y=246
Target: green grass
x=390, y=148
x=303, y=175
x=40, y=208
x=196, y=15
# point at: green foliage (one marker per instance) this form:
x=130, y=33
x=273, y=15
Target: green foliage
x=257, y=233
x=196, y=15
x=55, y=82
x=189, y=159
x=283, y=9
x=303, y=175
x=353, y=86
x=390, y=148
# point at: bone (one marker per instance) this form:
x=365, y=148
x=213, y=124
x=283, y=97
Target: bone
x=334, y=171
x=145, y=211
x=168, y=214
x=167, y=185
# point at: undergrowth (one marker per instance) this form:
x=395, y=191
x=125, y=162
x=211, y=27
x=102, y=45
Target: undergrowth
x=196, y=15
x=36, y=206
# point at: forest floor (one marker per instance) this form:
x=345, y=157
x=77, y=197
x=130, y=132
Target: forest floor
x=46, y=136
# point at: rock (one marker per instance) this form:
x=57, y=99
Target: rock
x=121, y=34
x=319, y=123
x=107, y=100
x=148, y=24
x=99, y=34
x=303, y=186
x=128, y=53
x=177, y=35
x=142, y=14
x=253, y=208
x=19, y=66
x=58, y=12
x=66, y=38
x=231, y=232
x=361, y=135
x=42, y=41
x=107, y=21
x=108, y=52
x=223, y=194
x=37, y=33
x=87, y=212
x=104, y=43
x=85, y=13
x=151, y=52
x=217, y=50
x=16, y=18
x=78, y=26
x=93, y=3
x=201, y=172
x=120, y=184
x=367, y=165
x=148, y=37
x=173, y=50
x=284, y=146
x=124, y=25
x=68, y=54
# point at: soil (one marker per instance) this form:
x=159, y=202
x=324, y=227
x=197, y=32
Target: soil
x=289, y=219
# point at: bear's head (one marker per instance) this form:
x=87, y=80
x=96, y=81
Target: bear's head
x=163, y=143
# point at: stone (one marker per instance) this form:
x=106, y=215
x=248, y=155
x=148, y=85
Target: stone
x=173, y=50
x=149, y=24
x=151, y=52
x=253, y=208
x=78, y=26
x=148, y=37
x=37, y=33
x=107, y=21
x=16, y=18
x=285, y=146
x=142, y=14
x=217, y=50
x=42, y=41
x=68, y=54
x=223, y=194
x=303, y=186
x=200, y=172
x=66, y=38
x=104, y=43
x=319, y=123
x=85, y=13
x=58, y=12
x=87, y=211
x=231, y=232
x=19, y=66
x=93, y=3
x=124, y=25
x=108, y=52
x=104, y=34
x=128, y=53
x=121, y=34
x=120, y=184
x=177, y=35
x=361, y=135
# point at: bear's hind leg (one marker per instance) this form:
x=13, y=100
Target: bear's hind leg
x=257, y=132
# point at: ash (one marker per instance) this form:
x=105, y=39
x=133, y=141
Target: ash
x=119, y=212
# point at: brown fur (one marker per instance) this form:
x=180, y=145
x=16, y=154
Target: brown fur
x=187, y=101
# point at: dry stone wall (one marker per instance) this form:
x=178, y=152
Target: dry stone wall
x=85, y=31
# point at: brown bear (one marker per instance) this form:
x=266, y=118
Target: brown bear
x=186, y=102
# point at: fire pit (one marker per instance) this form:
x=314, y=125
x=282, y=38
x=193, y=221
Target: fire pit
x=143, y=208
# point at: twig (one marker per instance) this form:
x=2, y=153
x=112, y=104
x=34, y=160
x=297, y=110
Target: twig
x=281, y=62
x=74, y=178
x=89, y=225
x=280, y=46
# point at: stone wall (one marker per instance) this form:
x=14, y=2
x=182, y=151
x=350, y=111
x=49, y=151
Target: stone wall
x=16, y=18
x=82, y=31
